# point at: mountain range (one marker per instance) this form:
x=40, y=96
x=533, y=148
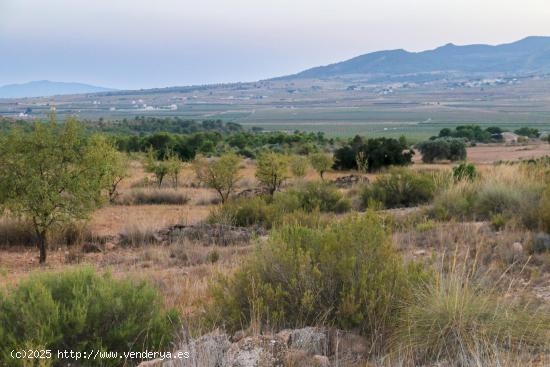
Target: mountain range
x=46, y=88
x=527, y=56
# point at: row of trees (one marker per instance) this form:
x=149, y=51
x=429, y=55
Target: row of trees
x=247, y=144
x=273, y=169
x=476, y=134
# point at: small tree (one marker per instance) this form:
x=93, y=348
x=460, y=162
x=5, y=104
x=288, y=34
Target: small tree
x=220, y=174
x=321, y=163
x=299, y=166
x=50, y=176
x=158, y=168
x=174, y=167
x=115, y=166
x=272, y=171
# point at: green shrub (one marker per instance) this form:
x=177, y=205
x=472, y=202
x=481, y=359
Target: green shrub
x=346, y=274
x=510, y=191
x=314, y=195
x=82, y=311
x=498, y=221
x=456, y=202
x=245, y=212
x=465, y=171
x=399, y=188
x=266, y=211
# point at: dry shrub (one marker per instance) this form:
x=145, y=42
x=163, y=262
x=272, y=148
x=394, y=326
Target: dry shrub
x=510, y=190
x=346, y=274
x=137, y=235
x=154, y=197
x=456, y=320
x=16, y=232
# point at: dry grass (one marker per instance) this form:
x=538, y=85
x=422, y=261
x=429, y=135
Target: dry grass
x=154, y=197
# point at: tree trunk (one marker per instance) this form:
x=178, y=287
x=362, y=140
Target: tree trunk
x=42, y=245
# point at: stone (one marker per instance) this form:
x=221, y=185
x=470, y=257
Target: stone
x=257, y=351
x=517, y=247
x=347, y=346
x=207, y=351
x=541, y=242
x=348, y=181
x=310, y=339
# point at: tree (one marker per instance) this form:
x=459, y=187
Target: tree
x=373, y=154
x=220, y=174
x=528, y=132
x=321, y=162
x=298, y=166
x=174, y=167
x=272, y=171
x=50, y=176
x=158, y=168
x=432, y=150
x=440, y=149
x=115, y=166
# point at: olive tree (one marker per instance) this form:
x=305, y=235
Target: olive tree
x=321, y=162
x=220, y=174
x=51, y=176
x=272, y=171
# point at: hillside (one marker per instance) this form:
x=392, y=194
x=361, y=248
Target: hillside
x=527, y=56
x=45, y=88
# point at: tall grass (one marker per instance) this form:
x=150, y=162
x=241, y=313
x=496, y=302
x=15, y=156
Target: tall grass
x=18, y=232
x=454, y=319
x=513, y=191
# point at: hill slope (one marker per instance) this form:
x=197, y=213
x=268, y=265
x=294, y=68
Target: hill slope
x=530, y=55
x=45, y=88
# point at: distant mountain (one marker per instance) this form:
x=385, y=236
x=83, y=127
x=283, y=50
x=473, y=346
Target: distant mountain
x=46, y=88
x=527, y=56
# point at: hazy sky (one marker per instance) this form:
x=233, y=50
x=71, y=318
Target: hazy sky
x=155, y=43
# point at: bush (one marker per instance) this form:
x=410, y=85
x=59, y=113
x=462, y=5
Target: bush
x=15, y=232
x=456, y=321
x=512, y=191
x=245, y=212
x=346, y=274
x=267, y=212
x=399, y=188
x=441, y=149
x=465, y=171
x=155, y=197
x=137, y=235
x=82, y=311
x=314, y=195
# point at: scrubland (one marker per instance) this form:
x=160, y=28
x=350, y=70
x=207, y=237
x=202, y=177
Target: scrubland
x=431, y=267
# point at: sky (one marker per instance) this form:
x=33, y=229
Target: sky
x=132, y=44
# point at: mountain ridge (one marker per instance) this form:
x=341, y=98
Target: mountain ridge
x=528, y=55
x=47, y=88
